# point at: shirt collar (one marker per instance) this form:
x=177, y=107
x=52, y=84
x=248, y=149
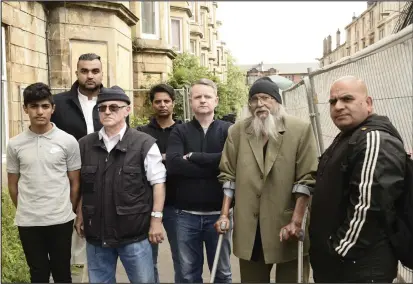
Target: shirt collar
x=48, y=134
x=84, y=98
x=102, y=134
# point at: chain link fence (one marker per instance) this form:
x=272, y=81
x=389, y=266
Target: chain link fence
x=386, y=67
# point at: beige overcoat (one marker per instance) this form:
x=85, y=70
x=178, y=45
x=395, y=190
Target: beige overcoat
x=264, y=190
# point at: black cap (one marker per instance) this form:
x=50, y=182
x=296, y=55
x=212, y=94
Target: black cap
x=267, y=86
x=114, y=93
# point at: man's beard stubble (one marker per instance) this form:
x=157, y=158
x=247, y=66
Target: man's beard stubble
x=89, y=89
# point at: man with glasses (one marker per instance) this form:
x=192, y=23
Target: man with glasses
x=268, y=165
x=123, y=192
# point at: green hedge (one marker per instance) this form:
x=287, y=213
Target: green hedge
x=13, y=262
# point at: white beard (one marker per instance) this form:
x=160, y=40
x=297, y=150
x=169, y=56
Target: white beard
x=269, y=126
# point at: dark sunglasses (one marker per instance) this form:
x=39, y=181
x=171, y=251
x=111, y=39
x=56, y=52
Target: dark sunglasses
x=112, y=108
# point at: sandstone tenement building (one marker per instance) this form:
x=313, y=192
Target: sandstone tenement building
x=375, y=23
x=137, y=41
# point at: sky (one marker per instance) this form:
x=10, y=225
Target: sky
x=283, y=32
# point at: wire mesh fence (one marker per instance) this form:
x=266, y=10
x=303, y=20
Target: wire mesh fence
x=386, y=67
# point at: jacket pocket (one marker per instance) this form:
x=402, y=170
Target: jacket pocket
x=87, y=178
x=130, y=210
x=91, y=228
x=131, y=178
x=132, y=221
x=131, y=190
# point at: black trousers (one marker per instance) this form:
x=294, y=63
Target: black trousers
x=48, y=249
x=379, y=265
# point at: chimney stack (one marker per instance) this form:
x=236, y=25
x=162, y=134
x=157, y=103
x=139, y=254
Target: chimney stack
x=324, y=46
x=354, y=16
x=329, y=44
x=338, y=38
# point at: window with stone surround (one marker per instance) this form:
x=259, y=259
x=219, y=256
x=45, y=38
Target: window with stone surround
x=4, y=98
x=176, y=26
x=203, y=60
x=381, y=33
x=150, y=19
x=193, y=47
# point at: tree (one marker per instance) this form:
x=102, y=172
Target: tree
x=232, y=93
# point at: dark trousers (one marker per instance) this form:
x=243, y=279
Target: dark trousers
x=257, y=271
x=379, y=265
x=48, y=249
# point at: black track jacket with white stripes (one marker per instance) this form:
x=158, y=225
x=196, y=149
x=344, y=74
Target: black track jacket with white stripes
x=348, y=213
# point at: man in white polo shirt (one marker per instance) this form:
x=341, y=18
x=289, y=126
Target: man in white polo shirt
x=43, y=165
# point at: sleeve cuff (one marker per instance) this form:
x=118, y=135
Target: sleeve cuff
x=156, y=181
x=229, y=192
x=229, y=185
x=75, y=168
x=303, y=189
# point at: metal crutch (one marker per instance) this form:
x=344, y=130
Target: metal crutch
x=217, y=253
x=301, y=249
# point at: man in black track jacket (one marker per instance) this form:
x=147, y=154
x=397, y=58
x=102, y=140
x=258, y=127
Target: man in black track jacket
x=192, y=157
x=356, y=188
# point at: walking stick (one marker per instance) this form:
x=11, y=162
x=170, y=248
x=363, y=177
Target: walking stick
x=217, y=253
x=301, y=249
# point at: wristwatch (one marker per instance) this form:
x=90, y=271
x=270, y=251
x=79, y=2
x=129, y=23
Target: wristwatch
x=157, y=214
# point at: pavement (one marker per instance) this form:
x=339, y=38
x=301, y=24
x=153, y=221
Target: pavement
x=165, y=269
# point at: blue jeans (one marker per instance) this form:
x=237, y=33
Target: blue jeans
x=135, y=257
x=169, y=223
x=192, y=232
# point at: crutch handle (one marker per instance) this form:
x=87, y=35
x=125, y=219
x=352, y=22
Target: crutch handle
x=223, y=225
x=301, y=235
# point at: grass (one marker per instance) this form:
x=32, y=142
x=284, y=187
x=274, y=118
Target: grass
x=13, y=262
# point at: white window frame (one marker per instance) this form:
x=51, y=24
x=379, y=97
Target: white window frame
x=181, y=34
x=192, y=43
x=203, y=59
x=4, y=96
x=156, y=35
x=166, y=19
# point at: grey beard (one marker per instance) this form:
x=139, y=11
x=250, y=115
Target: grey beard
x=270, y=126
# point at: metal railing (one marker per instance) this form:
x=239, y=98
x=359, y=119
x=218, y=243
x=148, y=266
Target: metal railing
x=386, y=67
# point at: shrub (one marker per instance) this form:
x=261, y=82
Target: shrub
x=13, y=262
x=135, y=121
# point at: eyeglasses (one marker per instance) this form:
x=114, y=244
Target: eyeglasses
x=254, y=100
x=112, y=108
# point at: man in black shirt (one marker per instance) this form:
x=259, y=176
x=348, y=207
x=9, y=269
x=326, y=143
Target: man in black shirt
x=192, y=157
x=160, y=126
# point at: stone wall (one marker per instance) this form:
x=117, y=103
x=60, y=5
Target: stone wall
x=102, y=28
x=26, y=56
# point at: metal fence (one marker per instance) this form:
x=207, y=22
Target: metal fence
x=139, y=99
x=386, y=67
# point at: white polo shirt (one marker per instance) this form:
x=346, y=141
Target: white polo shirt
x=43, y=160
